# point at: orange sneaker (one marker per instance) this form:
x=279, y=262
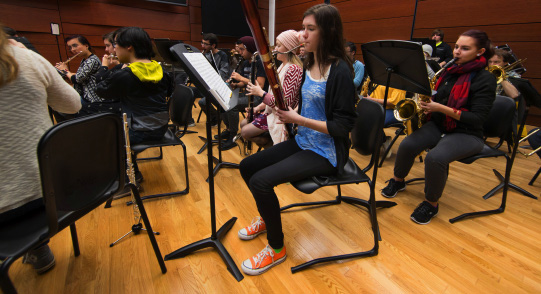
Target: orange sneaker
x=257, y=227
x=263, y=261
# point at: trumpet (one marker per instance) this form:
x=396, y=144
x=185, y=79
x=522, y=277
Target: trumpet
x=501, y=73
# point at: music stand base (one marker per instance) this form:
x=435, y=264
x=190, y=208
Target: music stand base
x=511, y=185
x=215, y=243
x=220, y=164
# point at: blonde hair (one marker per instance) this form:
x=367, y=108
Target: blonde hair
x=8, y=66
x=293, y=58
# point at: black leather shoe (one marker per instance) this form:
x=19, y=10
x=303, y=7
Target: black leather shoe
x=224, y=135
x=227, y=145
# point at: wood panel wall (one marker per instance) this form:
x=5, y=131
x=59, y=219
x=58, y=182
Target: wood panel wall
x=515, y=23
x=94, y=18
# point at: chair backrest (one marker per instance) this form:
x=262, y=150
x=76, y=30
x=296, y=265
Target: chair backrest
x=180, y=105
x=500, y=117
x=82, y=164
x=368, y=127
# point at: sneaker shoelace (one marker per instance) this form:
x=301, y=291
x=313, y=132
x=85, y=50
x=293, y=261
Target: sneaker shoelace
x=256, y=223
x=425, y=208
x=267, y=251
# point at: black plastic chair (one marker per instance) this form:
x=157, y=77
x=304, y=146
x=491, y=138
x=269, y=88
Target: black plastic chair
x=180, y=106
x=535, y=143
x=497, y=124
x=400, y=131
x=82, y=164
x=366, y=138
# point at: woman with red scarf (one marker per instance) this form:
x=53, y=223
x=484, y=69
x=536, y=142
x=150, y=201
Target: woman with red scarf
x=465, y=93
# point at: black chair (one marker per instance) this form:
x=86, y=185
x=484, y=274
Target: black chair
x=180, y=106
x=535, y=143
x=497, y=124
x=400, y=131
x=82, y=164
x=366, y=138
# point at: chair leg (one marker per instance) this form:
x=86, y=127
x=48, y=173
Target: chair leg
x=372, y=204
x=74, y=240
x=149, y=230
x=535, y=177
x=6, y=285
x=199, y=116
x=183, y=192
x=149, y=158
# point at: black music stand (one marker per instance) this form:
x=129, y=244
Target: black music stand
x=213, y=241
x=397, y=64
x=162, y=48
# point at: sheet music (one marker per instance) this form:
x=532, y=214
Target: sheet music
x=211, y=78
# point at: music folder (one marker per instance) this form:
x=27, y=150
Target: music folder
x=203, y=75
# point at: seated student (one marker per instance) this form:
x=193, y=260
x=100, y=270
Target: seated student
x=28, y=83
x=219, y=61
x=393, y=97
x=302, y=53
x=246, y=48
x=358, y=66
x=325, y=116
x=456, y=113
x=12, y=34
x=290, y=75
x=427, y=51
x=443, y=50
x=84, y=80
x=142, y=88
x=112, y=60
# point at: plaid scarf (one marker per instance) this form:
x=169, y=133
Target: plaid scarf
x=461, y=90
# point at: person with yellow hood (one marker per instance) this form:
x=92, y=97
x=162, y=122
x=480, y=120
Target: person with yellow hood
x=142, y=87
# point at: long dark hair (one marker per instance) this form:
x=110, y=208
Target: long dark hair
x=331, y=38
x=481, y=41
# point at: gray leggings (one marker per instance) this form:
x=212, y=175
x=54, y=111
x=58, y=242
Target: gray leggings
x=443, y=150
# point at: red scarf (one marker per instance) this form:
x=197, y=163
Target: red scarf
x=461, y=90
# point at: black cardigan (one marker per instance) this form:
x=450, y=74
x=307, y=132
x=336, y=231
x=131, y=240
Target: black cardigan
x=339, y=108
x=480, y=100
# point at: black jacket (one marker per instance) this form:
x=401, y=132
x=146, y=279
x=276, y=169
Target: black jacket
x=444, y=52
x=480, y=100
x=339, y=108
x=144, y=102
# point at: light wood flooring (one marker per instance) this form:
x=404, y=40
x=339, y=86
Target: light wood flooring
x=492, y=254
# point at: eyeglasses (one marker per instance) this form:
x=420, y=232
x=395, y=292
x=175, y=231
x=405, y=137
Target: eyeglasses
x=205, y=44
x=114, y=44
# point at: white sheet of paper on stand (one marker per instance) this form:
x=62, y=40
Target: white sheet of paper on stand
x=217, y=86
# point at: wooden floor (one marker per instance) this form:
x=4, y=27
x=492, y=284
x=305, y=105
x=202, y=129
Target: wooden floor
x=492, y=254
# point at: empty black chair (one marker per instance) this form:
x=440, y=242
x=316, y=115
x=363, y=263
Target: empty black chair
x=400, y=131
x=180, y=106
x=366, y=138
x=497, y=124
x=535, y=142
x=82, y=164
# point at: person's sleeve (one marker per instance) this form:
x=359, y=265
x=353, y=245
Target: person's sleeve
x=60, y=95
x=482, y=95
x=448, y=53
x=343, y=97
x=86, y=70
x=291, y=86
x=359, y=74
x=223, y=68
x=113, y=87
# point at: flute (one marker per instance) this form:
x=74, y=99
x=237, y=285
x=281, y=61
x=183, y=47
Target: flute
x=71, y=58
